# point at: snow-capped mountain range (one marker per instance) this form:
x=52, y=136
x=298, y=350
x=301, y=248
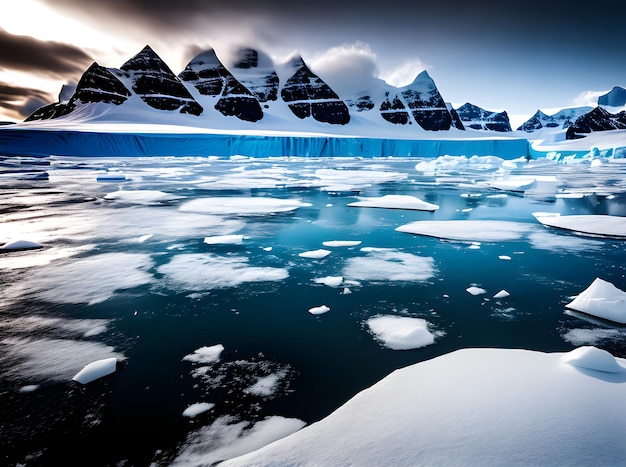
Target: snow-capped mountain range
x=258, y=94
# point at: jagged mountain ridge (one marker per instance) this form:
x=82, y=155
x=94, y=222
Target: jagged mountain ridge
x=477, y=118
x=255, y=88
x=206, y=84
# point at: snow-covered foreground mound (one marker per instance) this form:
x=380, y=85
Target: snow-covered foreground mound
x=480, y=407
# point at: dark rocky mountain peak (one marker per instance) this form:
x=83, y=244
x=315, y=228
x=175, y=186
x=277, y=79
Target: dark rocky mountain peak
x=308, y=95
x=426, y=104
x=209, y=77
x=256, y=71
x=598, y=119
x=153, y=81
x=96, y=85
x=478, y=118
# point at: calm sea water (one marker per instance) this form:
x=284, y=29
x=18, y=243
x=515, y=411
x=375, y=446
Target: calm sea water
x=130, y=276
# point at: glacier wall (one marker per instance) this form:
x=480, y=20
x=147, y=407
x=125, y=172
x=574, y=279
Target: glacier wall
x=37, y=142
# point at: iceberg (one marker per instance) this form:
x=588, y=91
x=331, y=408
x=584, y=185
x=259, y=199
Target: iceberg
x=95, y=370
x=601, y=299
x=473, y=290
x=210, y=354
x=395, y=202
x=197, y=408
x=319, y=310
x=502, y=294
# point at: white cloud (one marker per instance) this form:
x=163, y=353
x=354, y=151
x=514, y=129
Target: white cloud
x=588, y=98
x=405, y=73
x=346, y=67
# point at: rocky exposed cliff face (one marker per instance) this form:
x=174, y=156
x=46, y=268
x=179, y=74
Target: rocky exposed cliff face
x=477, y=118
x=153, y=81
x=209, y=77
x=598, y=119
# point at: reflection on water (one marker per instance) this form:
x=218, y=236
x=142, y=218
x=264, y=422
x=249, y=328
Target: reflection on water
x=125, y=272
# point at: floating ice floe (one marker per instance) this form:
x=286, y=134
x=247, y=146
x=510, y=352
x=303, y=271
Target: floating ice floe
x=224, y=240
x=485, y=397
x=468, y=230
x=339, y=243
x=331, y=281
x=201, y=272
x=20, y=245
x=401, y=332
x=473, y=290
x=210, y=354
x=387, y=264
x=319, y=310
x=315, y=254
x=600, y=225
x=197, y=408
x=502, y=294
x=447, y=163
x=593, y=358
x=95, y=370
x=395, y=202
x=504, y=258
x=539, y=185
x=140, y=196
x=601, y=299
x=242, y=206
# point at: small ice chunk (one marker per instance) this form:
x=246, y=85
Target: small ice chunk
x=143, y=238
x=315, y=254
x=319, y=310
x=140, y=196
x=475, y=290
x=95, y=370
x=197, y=409
x=502, y=294
x=337, y=243
x=205, y=354
x=21, y=245
x=267, y=248
x=331, y=281
x=504, y=257
x=601, y=299
x=346, y=291
x=395, y=202
x=29, y=388
x=224, y=240
x=401, y=332
x=593, y=358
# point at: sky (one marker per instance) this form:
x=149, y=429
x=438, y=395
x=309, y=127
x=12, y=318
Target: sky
x=499, y=55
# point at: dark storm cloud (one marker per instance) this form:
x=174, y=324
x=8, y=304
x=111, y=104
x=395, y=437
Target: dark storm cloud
x=25, y=53
x=20, y=102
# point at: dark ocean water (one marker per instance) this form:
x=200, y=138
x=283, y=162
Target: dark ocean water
x=129, y=275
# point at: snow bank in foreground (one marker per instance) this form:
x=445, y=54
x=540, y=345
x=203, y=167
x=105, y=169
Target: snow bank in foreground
x=395, y=202
x=596, y=225
x=601, y=299
x=483, y=407
x=400, y=332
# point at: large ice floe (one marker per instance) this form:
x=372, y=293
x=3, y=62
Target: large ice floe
x=598, y=225
x=469, y=230
x=241, y=206
x=473, y=407
x=601, y=299
x=395, y=202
